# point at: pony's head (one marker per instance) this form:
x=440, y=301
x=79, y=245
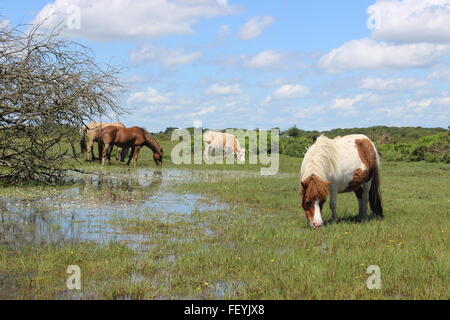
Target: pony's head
x=314, y=192
x=241, y=155
x=158, y=157
x=158, y=152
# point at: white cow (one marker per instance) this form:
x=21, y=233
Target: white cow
x=222, y=142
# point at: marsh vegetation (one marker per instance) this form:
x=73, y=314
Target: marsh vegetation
x=220, y=232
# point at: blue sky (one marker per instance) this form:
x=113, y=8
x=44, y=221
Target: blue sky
x=263, y=64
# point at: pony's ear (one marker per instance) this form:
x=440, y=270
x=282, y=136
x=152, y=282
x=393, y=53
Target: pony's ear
x=304, y=185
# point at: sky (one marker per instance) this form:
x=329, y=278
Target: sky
x=318, y=65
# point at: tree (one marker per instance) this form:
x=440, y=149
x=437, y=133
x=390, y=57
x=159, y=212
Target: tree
x=169, y=130
x=293, y=132
x=48, y=87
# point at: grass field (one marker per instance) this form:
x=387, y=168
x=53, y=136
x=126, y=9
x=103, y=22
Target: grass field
x=258, y=246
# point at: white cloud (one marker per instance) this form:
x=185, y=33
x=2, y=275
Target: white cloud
x=369, y=54
x=151, y=96
x=431, y=108
x=394, y=84
x=223, y=90
x=132, y=80
x=348, y=104
x=224, y=30
x=442, y=75
x=287, y=92
x=406, y=34
x=4, y=23
x=203, y=111
x=124, y=19
x=266, y=101
x=269, y=58
x=168, y=57
x=411, y=21
x=290, y=91
x=254, y=27
x=173, y=108
x=309, y=112
x=206, y=110
x=421, y=105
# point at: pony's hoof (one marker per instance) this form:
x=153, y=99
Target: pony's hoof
x=363, y=218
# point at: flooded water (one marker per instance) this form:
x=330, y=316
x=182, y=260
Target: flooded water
x=117, y=205
x=83, y=211
x=230, y=288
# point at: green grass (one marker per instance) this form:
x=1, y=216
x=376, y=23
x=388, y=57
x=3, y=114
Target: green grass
x=259, y=248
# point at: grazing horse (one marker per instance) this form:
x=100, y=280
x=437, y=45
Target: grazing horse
x=344, y=164
x=134, y=138
x=222, y=142
x=93, y=132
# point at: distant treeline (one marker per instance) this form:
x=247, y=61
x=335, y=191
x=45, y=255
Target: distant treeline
x=394, y=143
x=380, y=134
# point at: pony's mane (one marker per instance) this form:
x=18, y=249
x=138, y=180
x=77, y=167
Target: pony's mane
x=319, y=159
x=100, y=124
x=157, y=147
x=314, y=188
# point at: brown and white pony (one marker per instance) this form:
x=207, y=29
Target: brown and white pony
x=134, y=138
x=343, y=164
x=93, y=132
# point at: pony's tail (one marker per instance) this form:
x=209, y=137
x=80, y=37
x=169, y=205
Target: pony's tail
x=375, y=194
x=83, y=140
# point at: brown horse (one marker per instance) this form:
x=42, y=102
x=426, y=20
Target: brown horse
x=134, y=138
x=93, y=132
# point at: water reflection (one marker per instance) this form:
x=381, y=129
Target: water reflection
x=105, y=190
x=82, y=212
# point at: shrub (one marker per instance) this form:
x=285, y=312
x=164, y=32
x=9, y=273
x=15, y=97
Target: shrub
x=434, y=148
x=294, y=147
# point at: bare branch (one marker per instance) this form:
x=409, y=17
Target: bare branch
x=49, y=86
